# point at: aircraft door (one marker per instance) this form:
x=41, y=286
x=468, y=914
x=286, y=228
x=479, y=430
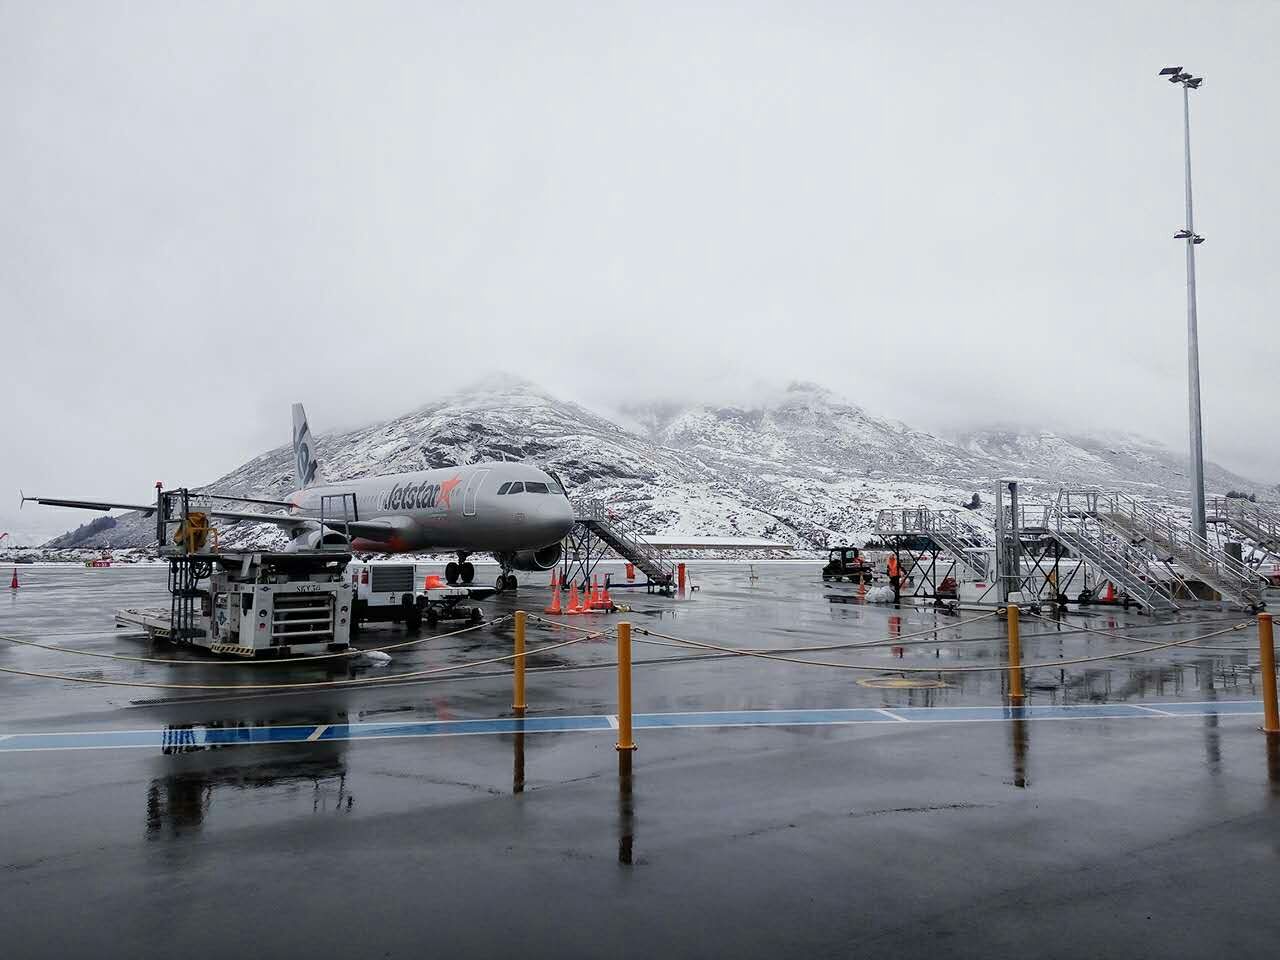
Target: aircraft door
x=474, y=482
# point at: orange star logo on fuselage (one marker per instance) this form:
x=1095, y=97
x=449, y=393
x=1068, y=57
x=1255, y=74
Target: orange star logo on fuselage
x=446, y=489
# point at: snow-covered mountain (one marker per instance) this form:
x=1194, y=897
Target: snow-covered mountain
x=806, y=467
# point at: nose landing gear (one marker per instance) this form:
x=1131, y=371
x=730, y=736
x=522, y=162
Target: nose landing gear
x=506, y=579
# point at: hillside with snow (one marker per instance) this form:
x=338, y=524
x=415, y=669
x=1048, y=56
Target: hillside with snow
x=807, y=467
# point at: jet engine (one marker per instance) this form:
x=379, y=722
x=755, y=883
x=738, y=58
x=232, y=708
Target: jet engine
x=316, y=539
x=543, y=559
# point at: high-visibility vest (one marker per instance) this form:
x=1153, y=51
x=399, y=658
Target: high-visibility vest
x=893, y=565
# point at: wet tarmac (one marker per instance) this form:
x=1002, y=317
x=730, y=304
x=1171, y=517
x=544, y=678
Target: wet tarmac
x=773, y=808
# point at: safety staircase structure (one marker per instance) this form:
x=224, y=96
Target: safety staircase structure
x=598, y=528
x=1249, y=521
x=968, y=545
x=1145, y=555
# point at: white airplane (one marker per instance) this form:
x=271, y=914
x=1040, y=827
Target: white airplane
x=514, y=511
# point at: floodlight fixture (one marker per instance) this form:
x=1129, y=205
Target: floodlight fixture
x=1170, y=71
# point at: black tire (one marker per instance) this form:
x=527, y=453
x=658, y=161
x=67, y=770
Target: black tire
x=451, y=572
x=468, y=572
x=475, y=615
x=432, y=615
x=410, y=614
x=501, y=583
x=512, y=582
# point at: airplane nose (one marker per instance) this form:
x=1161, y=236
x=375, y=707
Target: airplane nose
x=557, y=517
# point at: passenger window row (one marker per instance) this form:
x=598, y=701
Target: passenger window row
x=522, y=486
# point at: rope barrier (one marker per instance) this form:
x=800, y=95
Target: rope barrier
x=1109, y=633
x=889, y=641
x=357, y=681
x=881, y=668
x=280, y=661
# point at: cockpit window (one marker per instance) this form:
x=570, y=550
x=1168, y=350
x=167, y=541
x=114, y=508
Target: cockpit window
x=504, y=488
x=559, y=484
x=516, y=487
x=532, y=486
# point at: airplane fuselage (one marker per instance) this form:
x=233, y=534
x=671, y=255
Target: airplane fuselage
x=449, y=509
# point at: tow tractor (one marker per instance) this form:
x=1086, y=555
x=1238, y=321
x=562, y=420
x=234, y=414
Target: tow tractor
x=847, y=562
x=389, y=592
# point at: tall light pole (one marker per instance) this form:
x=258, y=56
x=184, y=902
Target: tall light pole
x=1188, y=233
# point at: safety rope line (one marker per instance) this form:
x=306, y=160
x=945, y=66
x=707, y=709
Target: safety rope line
x=1111, y=633
x=1051, y=634
x=889, y=641
x=881, y=668
x=357, y=681
x=275, y=662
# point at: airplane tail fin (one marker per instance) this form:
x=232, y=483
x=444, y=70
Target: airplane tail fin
x=306, y=465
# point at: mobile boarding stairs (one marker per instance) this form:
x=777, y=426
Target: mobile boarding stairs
x=598, y=531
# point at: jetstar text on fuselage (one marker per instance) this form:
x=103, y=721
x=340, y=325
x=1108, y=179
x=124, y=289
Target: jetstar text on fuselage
x=418, y=496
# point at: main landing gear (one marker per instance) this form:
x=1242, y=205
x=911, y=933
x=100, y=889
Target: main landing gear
x=462, y=570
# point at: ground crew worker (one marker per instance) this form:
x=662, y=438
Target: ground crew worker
x=894, y=578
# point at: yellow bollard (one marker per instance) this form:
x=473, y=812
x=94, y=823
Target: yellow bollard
x=1267, y=667
x=625, y=741
x=1015, y=655
x=519, y=704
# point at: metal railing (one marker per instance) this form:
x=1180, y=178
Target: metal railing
x=1075, y=520
x=623, y=536
x=1174, y=546
x=944, y=529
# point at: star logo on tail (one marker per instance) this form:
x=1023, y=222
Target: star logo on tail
x=446, y=489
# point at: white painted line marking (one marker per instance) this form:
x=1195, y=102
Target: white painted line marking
x=1163, y=713
x=891, y=715
x=318, y=732
x=613, y=720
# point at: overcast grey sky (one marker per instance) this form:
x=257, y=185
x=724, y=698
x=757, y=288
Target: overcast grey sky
x=953, y=214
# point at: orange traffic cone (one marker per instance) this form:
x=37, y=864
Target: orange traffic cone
x=594, y=605
x=574, y=607
x=554, y=609
x=13, y=584
x=606, y=601
x=1111, y=592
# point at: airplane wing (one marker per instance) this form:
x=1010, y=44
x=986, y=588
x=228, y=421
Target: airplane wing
x=380, y=530
x=715, y=543
x=90, y=504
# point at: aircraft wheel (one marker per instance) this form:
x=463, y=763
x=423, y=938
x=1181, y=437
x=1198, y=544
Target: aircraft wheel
x=501, y=583
x=412, y=615
x=512, y=582
x=468, y=572
x=451, y=572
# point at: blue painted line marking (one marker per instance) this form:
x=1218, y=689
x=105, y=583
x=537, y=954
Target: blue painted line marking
x=455, y=728
x=756, y=718
x=201, y=736
x=1213, y=707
